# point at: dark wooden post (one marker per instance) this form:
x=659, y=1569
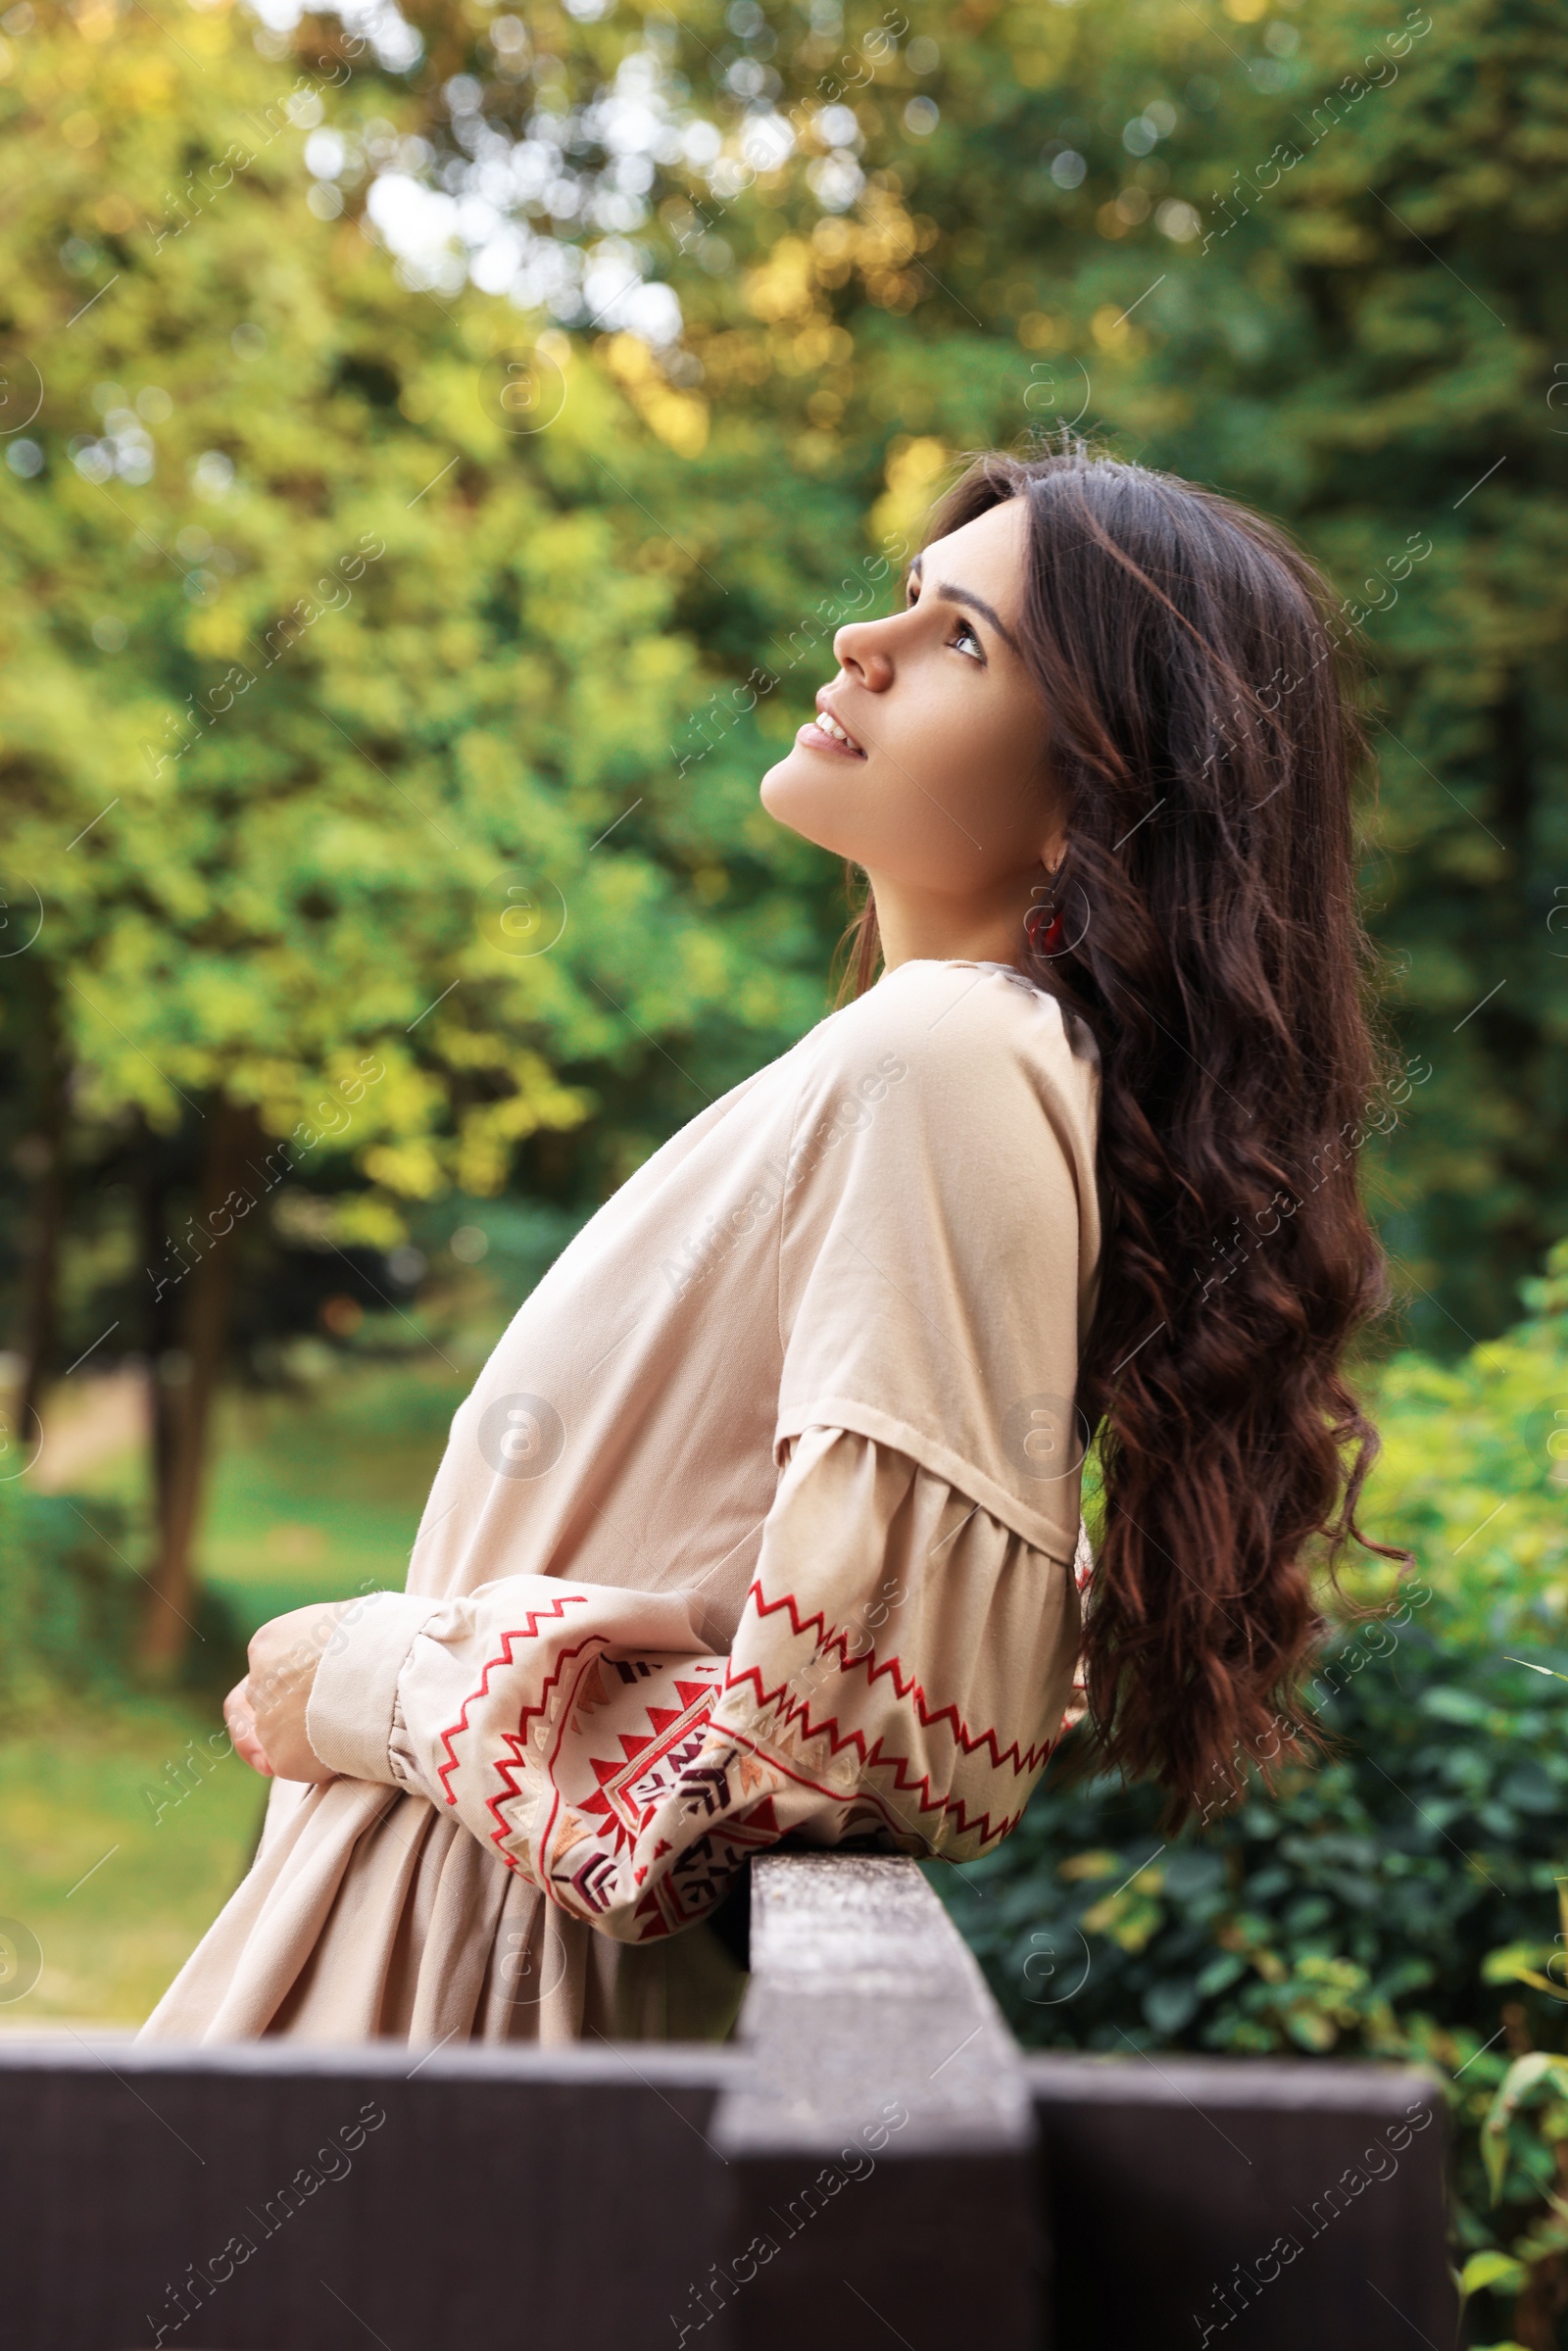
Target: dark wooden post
x=284, y=2198
x=1269, y=2205
x=880, y=2142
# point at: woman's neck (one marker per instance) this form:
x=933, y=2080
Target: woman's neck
x=931, y=928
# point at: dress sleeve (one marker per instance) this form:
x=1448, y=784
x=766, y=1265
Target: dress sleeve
x=896, y=1678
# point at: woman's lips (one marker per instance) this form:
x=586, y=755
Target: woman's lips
x=812, y=737
x=817, y=735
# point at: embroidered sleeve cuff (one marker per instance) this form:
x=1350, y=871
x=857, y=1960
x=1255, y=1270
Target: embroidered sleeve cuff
x=348, y=1718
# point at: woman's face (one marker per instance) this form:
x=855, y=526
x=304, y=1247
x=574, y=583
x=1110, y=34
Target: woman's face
x=941, y=790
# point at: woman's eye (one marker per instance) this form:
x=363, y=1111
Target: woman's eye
x=966, y=641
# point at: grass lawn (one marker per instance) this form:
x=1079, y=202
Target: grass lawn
x=115, y=1892
x=310, y=1499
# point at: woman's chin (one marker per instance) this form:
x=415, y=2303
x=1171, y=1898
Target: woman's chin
x=822, y=797
x=789, y=791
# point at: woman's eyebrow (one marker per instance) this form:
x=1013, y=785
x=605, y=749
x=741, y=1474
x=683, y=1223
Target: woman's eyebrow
x=978, y=603
x=953, y=594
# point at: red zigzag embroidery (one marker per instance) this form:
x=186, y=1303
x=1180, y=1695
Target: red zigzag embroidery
x=905, y=1689
x=503, y=1657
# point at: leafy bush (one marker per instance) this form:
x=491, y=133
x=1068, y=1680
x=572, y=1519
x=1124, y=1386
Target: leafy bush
x=1316, y=1920
x=68, y=1607
x=1398, y=1899
x=66, y=1621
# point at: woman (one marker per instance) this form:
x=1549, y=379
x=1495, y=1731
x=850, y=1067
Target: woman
x=762, y=1518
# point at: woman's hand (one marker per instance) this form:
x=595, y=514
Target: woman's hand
x=266, y=1712
x=242, y=1729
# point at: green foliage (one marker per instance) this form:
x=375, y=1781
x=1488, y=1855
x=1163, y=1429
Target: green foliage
x=400, y=667
x=68, y=1608
x=65, y=1618
x=1369, y=1906
x=1314, y=257
x=1316, y=1919
x=321, y=683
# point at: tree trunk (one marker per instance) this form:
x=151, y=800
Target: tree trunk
x=44, y=1165
x=160, y=1328
x=183, y=1408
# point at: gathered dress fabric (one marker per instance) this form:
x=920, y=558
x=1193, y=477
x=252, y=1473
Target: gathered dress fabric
x=760, y=1523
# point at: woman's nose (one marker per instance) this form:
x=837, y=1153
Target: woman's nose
x=859, y=647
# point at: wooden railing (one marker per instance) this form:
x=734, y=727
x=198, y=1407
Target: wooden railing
x=872, y=2161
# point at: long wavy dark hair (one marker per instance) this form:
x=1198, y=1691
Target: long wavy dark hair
x=1202, y=737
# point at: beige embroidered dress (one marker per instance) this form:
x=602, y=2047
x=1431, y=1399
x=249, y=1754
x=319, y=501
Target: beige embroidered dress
x=759, y=1521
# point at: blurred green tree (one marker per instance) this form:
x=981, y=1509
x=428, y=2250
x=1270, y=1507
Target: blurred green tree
x=1315, y=258
x=394, y=638
x=325, y=688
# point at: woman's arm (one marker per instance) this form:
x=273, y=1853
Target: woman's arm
x=898, y=1675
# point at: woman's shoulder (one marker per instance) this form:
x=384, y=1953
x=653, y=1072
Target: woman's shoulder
x=952, y=1016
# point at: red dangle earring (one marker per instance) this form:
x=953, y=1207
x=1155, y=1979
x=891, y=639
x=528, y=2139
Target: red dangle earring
x=1044, y=927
